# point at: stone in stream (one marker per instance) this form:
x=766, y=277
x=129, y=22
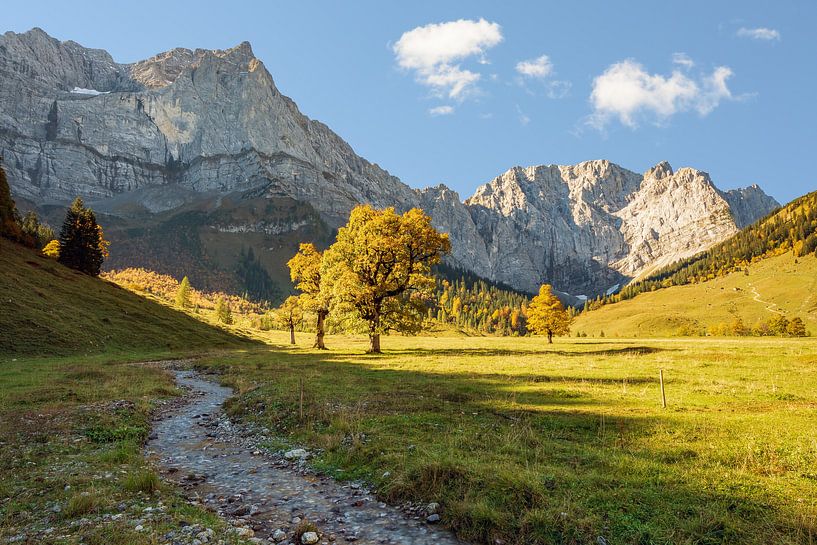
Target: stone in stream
x=433, y=519
x=279, y=535
x=309, y=538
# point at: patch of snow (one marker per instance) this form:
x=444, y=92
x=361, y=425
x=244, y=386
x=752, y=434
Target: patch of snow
x=90, y=92
x=582, y=297
x=614, y=288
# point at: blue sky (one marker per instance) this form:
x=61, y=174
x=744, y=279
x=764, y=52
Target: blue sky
x=726, y=87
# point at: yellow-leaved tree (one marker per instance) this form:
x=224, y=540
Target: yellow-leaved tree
x=546, y=315
x=290, y=314
x=379, y=268
x=305, y=271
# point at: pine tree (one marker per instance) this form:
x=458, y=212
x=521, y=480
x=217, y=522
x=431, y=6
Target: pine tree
x=183, y=294
x=81, y=244
x=39, y=233
x=9, y=218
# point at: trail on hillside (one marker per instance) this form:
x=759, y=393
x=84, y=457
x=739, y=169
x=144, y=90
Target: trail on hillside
x=268, y=495
x=769, y=305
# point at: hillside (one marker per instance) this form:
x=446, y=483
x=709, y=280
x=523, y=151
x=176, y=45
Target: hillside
x=780, y=283
x=48, y=309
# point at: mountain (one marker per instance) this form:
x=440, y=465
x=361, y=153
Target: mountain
x=194, y=154
x=766, y=270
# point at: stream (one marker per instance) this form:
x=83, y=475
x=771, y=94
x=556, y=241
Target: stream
x=196, y=446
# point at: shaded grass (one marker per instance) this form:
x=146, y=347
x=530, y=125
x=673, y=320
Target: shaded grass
x=50, y=310
x=530, y=444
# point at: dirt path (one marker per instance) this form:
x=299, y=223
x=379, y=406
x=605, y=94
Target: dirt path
x=769, y=306
x=198, y=447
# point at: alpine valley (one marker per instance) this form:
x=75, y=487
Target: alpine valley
x=197, y=165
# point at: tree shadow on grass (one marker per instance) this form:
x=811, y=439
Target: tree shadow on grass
x=511, y=460
x=503, y=352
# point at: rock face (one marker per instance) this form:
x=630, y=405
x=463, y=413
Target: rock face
x=156, y=134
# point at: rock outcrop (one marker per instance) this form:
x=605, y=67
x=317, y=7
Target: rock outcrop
x=159, y=132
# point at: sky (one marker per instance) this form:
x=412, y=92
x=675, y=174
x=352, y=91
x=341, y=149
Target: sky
x=457, y=92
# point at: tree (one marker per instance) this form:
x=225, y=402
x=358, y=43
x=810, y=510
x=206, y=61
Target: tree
x=290, y=314
x=39, y=233
x=305, y=271
x=183, y=293
x=82, y=246
x=380, y=268
x=223, y=312
x=796, y=327
x=9, y=217
x=52, y=249
x=546, y=315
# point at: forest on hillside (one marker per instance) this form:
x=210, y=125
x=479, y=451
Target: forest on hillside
x=792, y=228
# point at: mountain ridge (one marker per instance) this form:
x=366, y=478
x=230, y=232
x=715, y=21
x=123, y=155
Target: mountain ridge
x=213, y=121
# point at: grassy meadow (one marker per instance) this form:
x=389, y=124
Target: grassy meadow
x=519, y=441
x=530, y=443
x=780, y=283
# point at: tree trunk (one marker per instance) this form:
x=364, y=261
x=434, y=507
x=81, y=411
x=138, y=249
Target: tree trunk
x=291, y=334
x=550, y=337
x=374, y=343
x=374, y=334
x=319, y=330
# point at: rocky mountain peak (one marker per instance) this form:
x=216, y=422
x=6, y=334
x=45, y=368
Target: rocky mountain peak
x=659, y=171
x=163, y=69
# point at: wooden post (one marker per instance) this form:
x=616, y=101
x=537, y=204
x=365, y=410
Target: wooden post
x=301, y=405
x=663, y=395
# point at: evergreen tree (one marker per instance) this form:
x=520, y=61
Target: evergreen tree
x=223, y=312
x=183, y=294
x=81, y=244
x=40, y=233
x=9, y=218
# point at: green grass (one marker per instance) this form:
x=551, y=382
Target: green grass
x=789, y=284
x=71, y=432
x=531, y=443
x=48, y=309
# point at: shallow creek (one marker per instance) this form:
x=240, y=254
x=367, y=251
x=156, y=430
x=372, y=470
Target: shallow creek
x=195, y=445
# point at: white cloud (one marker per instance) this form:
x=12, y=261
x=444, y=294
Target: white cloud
x=767, y=34
x=434, y=52
x=540, y=67
x=682, y=59
x=441, y=110
x=626, y=91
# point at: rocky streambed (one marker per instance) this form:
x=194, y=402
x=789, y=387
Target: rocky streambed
x=270, y=497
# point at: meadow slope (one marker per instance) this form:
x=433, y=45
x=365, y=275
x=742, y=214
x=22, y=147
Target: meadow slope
x=50, y=310
x=776, y=284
